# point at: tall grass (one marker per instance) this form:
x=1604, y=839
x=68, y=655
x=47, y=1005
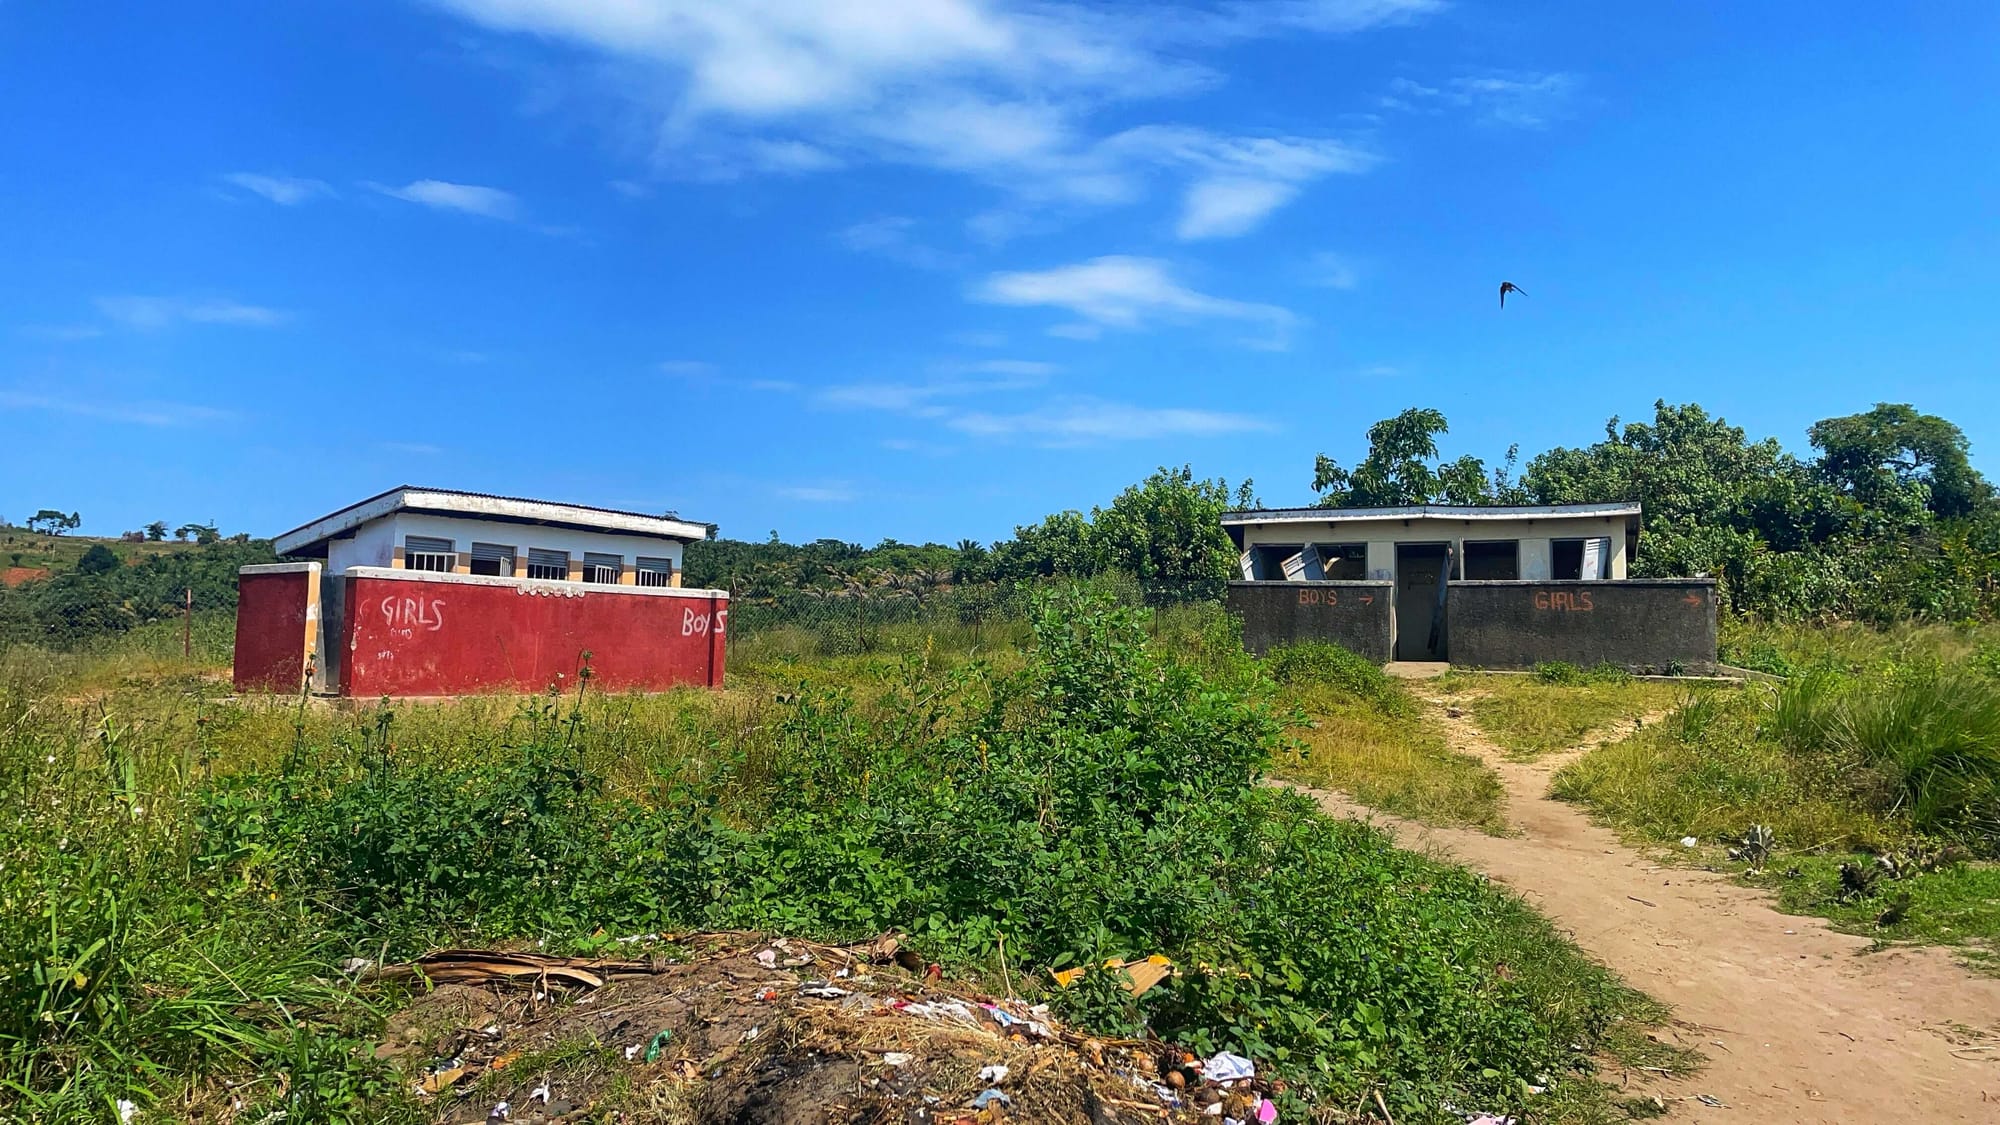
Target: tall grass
x=1919, y=742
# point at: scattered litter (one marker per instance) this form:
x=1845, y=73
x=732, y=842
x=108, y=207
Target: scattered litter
x=127, y=1110
x=989, y=1096
x=500, y=1112
x=898, y=1058
x=768, y=958
x=1489, y=1119
x=355, y=966
x=1689, y=842
x=821, y=990
x=1144, y=972
x=751, y=1035
x=541, y=1092
x=993, y=1075
x=1225, y=1067
x=658, y=1044
x=1267, y=1111
x=632, y=1051
x=1709, y=1100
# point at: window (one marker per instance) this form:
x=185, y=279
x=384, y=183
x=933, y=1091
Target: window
x=421, y=553
x=655, y=572
x=602, y=568
x=548, y=564
x=1268, y=560
x=493, y=559
x=1580, y=558
x=1344, y=562
x=1497, y=560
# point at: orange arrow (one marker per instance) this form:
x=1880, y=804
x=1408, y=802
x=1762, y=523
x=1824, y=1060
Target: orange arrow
x=1692, y=599
x=1367, y=599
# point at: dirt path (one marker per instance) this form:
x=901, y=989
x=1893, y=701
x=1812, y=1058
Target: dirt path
x=1798, y=1024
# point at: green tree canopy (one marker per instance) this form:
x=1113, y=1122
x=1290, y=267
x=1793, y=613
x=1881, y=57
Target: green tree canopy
x=1398, y=470
x=1892, y=456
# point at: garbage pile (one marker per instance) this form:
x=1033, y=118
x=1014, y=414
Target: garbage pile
x=743, y=1029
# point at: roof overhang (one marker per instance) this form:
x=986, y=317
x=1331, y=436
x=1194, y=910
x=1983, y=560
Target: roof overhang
x=479, y=506
x=1469, y=512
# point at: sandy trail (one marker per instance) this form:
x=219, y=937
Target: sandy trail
x=1799, y=1023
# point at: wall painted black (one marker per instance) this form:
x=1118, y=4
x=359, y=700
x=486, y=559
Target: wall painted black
x=1644, y=625
x=1353, y=615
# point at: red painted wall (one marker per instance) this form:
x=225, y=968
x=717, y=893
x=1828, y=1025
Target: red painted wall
x=271, y=631
x=406, y=637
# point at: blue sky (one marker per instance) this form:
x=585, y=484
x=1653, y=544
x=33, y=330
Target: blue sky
x=932, y=268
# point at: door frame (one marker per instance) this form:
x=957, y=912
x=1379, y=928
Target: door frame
x=1443, y=549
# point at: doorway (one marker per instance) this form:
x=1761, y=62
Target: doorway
x=1420, y=587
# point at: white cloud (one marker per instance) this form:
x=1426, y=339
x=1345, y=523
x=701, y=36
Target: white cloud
x=286, y=191
x=831, y=492
x=1127, y=292
x=891, y=237
x=470, y=199
x=1224, y=208
x=59, y=333
x=687, y=368
x=1003, y=90
x=1515, y=99
x=1084, y=421
x=1334, y=271
x=1076, y=331
x=139, y=413
x=1017, y=368
x=149, y=313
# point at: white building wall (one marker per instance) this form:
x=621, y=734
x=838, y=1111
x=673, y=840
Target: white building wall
x=374, y=543
x=1382, y=536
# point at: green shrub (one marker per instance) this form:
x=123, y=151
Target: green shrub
x=1102, y=800
x=1315, y=662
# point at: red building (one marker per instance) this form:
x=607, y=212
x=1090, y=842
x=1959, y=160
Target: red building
x=423, y=591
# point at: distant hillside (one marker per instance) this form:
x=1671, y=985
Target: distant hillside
x=58, y=554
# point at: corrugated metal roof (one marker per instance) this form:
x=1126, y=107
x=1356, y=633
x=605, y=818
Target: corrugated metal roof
x=1432, y=511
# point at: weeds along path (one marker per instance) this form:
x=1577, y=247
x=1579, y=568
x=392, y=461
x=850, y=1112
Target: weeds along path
x=1799, y=1023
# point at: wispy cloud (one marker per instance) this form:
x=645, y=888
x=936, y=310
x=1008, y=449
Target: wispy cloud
x=60, y=333
x=892, y=237
x=1514, y=99
x=1127, y=292
x=1333, y=271
x=1007, y=91
x=1087, y=421
x=1076, y=331
x=470, y=199
x=138, y=413
x=286, y=191
x=828, y=492
x=151, y=313
x=688, y=368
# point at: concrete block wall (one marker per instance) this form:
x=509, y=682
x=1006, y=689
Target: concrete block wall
x=1355, y=615
x=1643, y=625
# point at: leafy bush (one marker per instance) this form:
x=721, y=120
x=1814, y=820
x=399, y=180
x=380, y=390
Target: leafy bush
x=1317, y=662
x=1100, y=801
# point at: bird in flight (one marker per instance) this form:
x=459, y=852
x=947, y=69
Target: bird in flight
x=1507, y=287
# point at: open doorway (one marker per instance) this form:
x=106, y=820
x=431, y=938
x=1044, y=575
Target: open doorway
x=1420, y=586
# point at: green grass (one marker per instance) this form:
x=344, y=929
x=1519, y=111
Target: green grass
x=1530, y=717
x=1359, y=731
x=181, y=871
x=1792, y=758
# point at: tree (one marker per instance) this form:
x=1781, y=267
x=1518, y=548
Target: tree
x=1397, y=471
x=1168, y=527
x=156, y=531
x=51, y=522
x=1892, y=456
x=202, y=532
x=98, y=560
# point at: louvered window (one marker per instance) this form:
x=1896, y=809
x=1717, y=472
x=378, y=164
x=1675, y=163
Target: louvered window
x=493, y=559
x=548, y=564
x=423, y=553
x=655, y=572
x=602, y=568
